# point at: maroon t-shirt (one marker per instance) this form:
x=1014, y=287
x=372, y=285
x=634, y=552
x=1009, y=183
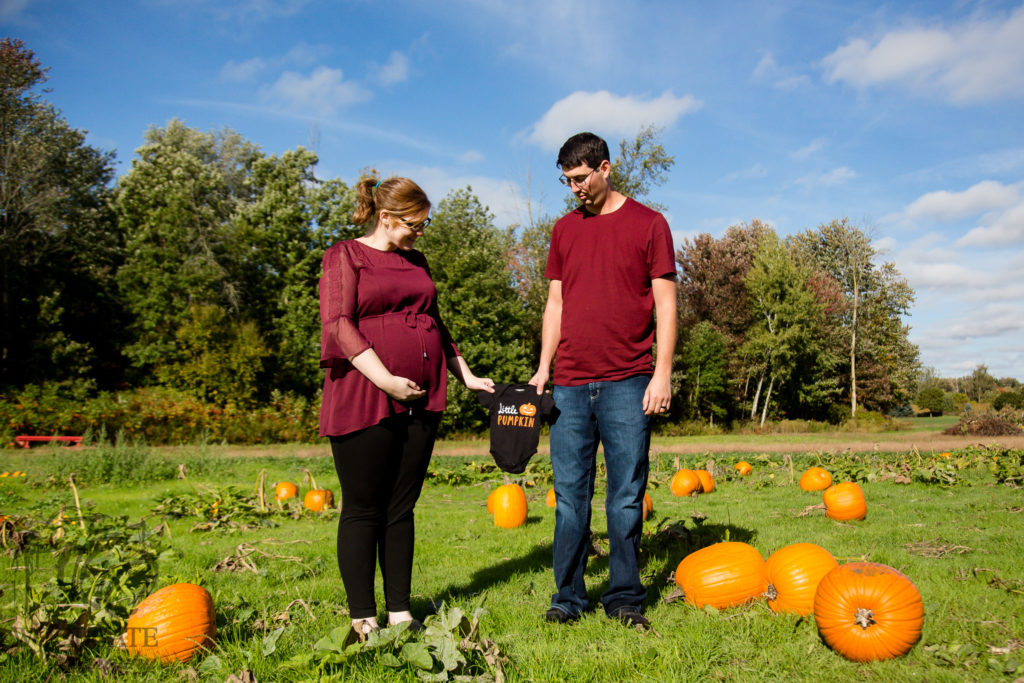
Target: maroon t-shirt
x=606, y=264
x=385, y=300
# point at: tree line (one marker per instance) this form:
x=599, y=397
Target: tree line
x=197, y=270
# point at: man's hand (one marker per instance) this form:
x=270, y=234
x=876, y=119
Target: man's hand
x=539, y=379
x=658, y=396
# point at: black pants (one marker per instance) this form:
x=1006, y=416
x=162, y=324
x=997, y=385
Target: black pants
x=381, y=470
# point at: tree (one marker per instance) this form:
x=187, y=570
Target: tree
x=877, y=344
x=468, y=259
x=176, y=206
x=704, y=367
x=979, y=383
x=59, y=246
x=932, y=399
x=787, y=316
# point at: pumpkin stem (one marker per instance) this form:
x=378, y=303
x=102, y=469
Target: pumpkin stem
x=864, y=618
x=260, y=494
x=770, y=593
x=78, y=503
x=308, y=478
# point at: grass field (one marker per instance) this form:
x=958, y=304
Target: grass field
x=955, y=529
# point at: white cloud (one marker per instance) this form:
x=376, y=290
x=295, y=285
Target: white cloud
x=979, y=198
x=470, y=156
x=240, y=72
x=837, y=176
x=755, y=171
x=989, y=321
x=501, y=197
x=1006, y=228
x=609, y=115
x=768, y=70
x=395, y=70
x=810, y=149
x=979, y=60
x=321, y=93
x=243, y=10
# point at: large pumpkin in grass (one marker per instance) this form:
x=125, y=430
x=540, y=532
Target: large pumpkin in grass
x=845, y=501
x=509, y=506
x=318, y=499
x=815, y=479
x=793, y=574
x=722, y=575
x=867, y=611
x=174, y=623
x=707, y=482
x=684, y=483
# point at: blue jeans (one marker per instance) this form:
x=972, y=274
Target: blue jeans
x=610, y=413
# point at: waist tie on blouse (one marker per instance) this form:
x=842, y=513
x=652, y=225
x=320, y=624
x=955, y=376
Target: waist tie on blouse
x=411, y=319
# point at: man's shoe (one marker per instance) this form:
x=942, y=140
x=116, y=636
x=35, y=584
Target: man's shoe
x=631, y=617
x=559, y=616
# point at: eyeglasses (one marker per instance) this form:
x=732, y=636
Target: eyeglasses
x=578, y=182
x=415, y=227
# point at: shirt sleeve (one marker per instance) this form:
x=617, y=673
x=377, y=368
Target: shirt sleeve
x=340, y=338
x=661, y=257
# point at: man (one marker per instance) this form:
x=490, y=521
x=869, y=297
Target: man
x=611, y=265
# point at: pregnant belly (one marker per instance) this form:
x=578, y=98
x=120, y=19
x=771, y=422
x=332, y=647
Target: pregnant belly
x=407, y=351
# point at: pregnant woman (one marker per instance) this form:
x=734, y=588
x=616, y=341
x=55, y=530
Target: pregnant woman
x=386, y=351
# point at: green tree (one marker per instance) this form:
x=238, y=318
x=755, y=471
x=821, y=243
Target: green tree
x=219, y=357
x=292, y=218
x=703, y=363
x=176, y=206
x=932, y=399
x=468, y=259
x=59, y=246
x=880, y=355
x=788, y=318
x=979, y=383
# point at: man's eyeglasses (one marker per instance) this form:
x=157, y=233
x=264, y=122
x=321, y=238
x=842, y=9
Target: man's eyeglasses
x=415, y=227
x=578, y=182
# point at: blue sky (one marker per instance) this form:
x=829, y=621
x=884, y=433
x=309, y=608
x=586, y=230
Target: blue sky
x=905, y=117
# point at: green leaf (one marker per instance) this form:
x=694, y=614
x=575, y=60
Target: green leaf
x=418, y=655
x=270, y=642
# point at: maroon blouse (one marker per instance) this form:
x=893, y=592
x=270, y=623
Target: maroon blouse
x=385, y=300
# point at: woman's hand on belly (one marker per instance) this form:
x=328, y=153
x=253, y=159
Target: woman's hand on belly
x=395, y=386
x=403, y=389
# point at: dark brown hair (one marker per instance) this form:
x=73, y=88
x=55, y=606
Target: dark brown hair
x=396, y=195
x=583, y=148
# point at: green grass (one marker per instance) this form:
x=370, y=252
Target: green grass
x=959, y=544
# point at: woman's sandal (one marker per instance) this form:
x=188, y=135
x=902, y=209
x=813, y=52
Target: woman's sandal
x=360, y=631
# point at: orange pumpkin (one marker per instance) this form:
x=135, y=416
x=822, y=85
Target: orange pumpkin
x=815, y=479
x=743, y=467
x=509, y=506
x=684, y=483
x=174, y=623
x=528, y=409
x=722, y=575
x=318, y=499
x=845, y=501
x=648, y=505
x=793, y=574
x=867, y=611
x=284, y=490
x=707, y=482
x=551, y=498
